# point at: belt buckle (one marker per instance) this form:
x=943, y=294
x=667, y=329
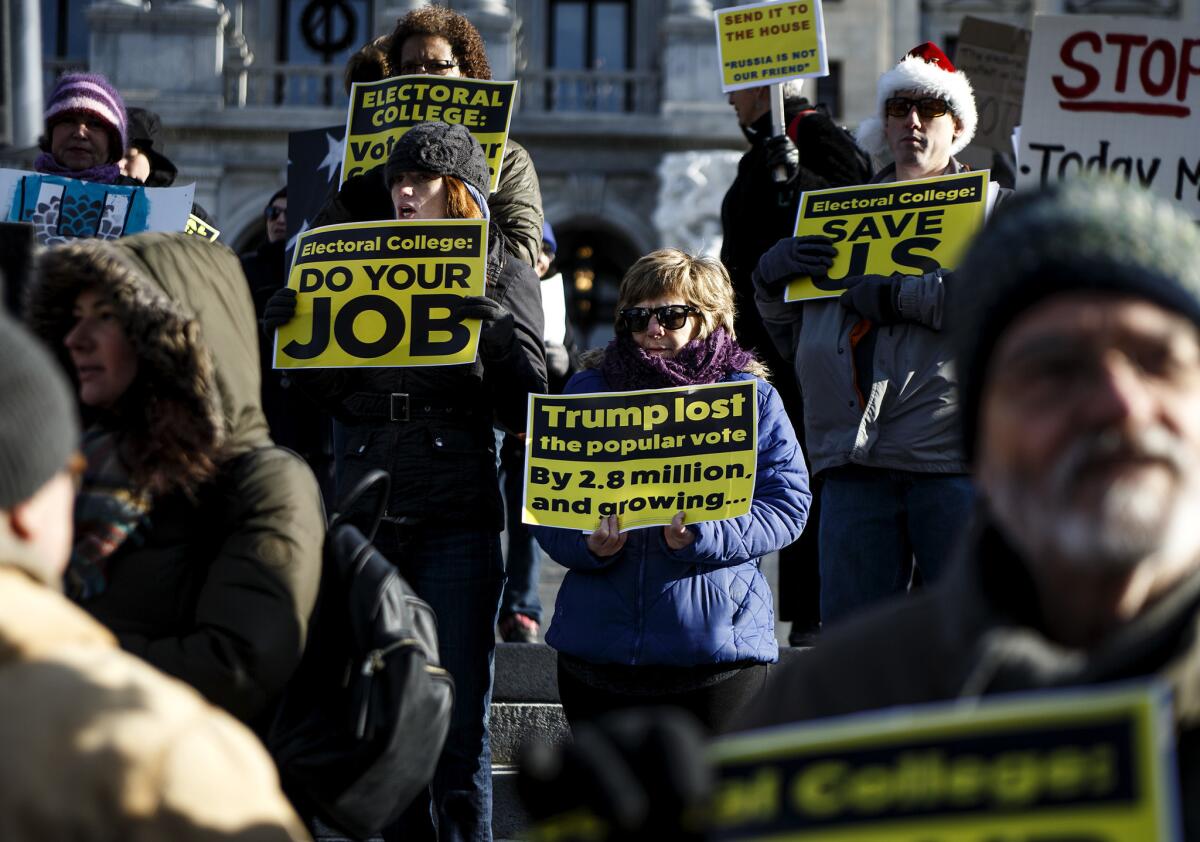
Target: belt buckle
x=398, y=409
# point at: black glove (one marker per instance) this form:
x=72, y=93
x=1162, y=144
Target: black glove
x=631, y=775
x=874, y=297
x=781, y=152
x=280, y=309
x=792, y=257
x=496, y=337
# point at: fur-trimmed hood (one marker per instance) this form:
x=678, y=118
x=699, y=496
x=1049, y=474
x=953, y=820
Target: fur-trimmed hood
x=187, y=310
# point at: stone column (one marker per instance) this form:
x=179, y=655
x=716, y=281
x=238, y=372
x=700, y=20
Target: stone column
x=173, y=51
x=690, y=64
x=496, y=23
x=387, y=15
x=26, y=68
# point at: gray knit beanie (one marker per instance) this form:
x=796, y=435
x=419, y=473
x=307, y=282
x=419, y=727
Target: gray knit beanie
x=439, y=148
x=1090, y=235
x=38, y=428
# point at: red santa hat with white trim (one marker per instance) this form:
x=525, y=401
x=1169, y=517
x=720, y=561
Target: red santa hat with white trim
x=925, y=68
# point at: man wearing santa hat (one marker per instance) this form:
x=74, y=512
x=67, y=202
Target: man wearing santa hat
x=874, y=366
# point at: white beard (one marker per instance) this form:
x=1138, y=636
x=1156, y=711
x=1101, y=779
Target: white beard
x=1137, y=520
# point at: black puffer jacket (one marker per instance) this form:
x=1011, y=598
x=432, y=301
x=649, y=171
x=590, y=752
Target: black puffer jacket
x=516, y=205
x=757, y=211
x=442, y=458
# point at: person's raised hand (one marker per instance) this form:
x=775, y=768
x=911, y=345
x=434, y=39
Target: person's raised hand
x=874, y=297
x=280, y=309
x=793, y=257
x=781, y=152
x=496, y=335
x=677, y=535
x=608, y=539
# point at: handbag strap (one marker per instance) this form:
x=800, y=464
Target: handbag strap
x=373, y=478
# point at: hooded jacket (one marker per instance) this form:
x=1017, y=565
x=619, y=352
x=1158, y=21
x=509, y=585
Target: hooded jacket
x=977, y=632
x=707, y=603
x=102, y=746
x=217, y=586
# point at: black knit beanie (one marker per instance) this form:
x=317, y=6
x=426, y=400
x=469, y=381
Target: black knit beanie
x=38, y=429
x=1088, y=235
x=439, y=148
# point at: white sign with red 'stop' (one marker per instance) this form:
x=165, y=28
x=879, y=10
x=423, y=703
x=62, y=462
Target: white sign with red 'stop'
x=1113, y=94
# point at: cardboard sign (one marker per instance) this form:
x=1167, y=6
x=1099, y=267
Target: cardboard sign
x=1119, y=95
x=768, y=43
x=379, y=294
x=910, y=227
x=381, y=112
x=993, y=56
x=64, y=209
x=643, y=456
x=1094, y=764
x=199, y=228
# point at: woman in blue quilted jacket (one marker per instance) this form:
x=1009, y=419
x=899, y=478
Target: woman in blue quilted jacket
x=676, y=615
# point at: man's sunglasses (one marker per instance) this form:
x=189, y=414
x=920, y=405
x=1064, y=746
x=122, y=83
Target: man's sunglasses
x=637, y=319
x=928, y=107
x=274, y=212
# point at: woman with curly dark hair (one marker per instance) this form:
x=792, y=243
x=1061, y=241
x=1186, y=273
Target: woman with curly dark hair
x=438, y=34
x=437, y=41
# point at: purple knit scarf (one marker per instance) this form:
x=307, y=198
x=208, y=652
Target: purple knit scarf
x=627, y=366
x=104, y=174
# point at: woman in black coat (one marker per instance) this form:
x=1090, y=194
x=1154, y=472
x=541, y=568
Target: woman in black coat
x=431, y=428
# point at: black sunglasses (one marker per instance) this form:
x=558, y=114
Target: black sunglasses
x=637, y=319
x=928, y=107
x=274, y=212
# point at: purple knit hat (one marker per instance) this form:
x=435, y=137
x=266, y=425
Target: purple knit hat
x=90, y=93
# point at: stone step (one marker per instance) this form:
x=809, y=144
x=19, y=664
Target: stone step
x=525, y=704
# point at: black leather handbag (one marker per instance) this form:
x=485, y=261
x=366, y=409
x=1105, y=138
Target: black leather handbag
x=363, y=720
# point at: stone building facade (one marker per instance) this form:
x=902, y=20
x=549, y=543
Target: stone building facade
x=620, y=104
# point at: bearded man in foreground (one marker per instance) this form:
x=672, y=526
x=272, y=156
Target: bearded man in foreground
x=1079, y=362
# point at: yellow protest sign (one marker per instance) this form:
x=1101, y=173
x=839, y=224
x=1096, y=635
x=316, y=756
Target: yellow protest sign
x=198, y=227
x=643, y=456
x=379, y=294
x=1090, y=764
x=768, y=43
x=381, y=112
x=910, y=227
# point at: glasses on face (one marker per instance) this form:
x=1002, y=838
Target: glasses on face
x=274, y=212
x=928, y=107
x=637, y=319
x=437, y=68
x=1060, y=375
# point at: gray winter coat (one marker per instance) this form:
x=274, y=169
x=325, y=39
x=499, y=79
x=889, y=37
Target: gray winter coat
x=907, y=419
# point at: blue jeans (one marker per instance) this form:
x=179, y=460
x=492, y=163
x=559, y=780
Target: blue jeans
x=875, y=523
x=522, y=557
x=458, y=571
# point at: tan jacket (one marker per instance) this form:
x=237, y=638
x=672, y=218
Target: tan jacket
x=100, y=746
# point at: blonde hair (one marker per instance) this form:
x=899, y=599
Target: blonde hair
x=702, y=282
